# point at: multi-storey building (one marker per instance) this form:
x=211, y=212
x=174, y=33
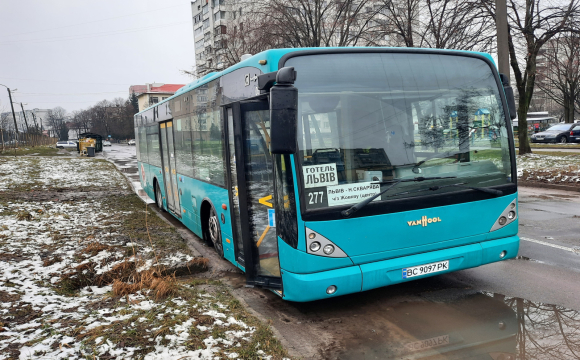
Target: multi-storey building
x=210, y=18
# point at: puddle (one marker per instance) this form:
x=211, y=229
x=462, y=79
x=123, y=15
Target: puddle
x=474, y=326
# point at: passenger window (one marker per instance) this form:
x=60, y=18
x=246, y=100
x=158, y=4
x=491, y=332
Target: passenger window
x=153, y=152
x=207, y=147
x=182, y=143
x=142, y=143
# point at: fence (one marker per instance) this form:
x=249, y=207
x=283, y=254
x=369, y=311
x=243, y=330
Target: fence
x=11, y=140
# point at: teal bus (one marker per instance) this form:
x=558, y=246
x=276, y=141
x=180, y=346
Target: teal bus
x=321, y=172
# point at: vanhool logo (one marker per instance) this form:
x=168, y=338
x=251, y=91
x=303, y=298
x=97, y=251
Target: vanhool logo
x=424, y=221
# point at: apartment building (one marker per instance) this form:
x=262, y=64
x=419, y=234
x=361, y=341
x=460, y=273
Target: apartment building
x=210, y=19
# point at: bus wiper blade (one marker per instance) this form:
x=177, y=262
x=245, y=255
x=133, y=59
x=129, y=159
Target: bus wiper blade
x=461, y=185
x=356, y=207
x=416, y=169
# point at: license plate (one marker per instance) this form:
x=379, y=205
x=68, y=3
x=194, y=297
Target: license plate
x=428, y=343
x=425, y=269
x=539, y=138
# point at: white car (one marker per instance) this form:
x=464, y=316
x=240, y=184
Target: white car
x=106, y=143
x=131, y=142
x=66, y=145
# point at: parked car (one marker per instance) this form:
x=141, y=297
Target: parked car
x=106, y=143
x=131, y=142
x=66, y=145
x=561, y=133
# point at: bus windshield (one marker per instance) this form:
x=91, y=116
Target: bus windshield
x=368, y=119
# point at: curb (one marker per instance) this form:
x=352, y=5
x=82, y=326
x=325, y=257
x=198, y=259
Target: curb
x=548, y=186
x=553, y=147
x=138, y=190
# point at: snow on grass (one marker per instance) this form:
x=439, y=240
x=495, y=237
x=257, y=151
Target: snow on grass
x=39, y=242
x=549, y=168
x=48, y=172
x=57, y=267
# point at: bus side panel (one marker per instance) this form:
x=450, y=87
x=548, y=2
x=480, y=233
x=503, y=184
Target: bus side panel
x=154, y=172
x=193, y=192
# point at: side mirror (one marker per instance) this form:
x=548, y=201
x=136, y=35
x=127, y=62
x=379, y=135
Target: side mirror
x=283, y=112
x=509, y=95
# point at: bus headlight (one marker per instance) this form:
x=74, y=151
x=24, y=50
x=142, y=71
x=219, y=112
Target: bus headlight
x=315, y=246
x=328, y=249
x=316, y=242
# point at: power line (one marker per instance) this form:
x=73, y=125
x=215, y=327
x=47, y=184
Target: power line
x=94, y=21
x=70, y=94
x=60, y=81
x=94, y=35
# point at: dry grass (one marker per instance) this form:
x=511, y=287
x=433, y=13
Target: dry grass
x=23, y=215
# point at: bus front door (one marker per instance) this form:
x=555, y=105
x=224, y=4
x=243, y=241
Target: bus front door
x=251, y=176
x=169, y=171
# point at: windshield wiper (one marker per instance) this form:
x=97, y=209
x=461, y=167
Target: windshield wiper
x=461, y=185
x=356, y=207
x=416, y=166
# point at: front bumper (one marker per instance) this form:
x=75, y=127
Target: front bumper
x=357, y=278
x=544, y=140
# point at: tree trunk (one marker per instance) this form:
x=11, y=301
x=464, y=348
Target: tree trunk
x=524, y=147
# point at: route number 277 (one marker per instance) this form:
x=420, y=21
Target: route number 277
x=315, y=197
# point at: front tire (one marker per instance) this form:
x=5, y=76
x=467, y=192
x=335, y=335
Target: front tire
x=563, y=140
x=214, y=232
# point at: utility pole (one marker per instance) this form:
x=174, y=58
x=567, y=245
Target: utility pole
x=13, y=113
x=503, y=55
x=25, y=121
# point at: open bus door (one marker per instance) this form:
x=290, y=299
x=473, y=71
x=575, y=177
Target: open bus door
x=169, y=167
x=251, y=184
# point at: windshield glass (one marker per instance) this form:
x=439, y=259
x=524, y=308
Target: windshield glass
x=563, y=127
x=368, y=118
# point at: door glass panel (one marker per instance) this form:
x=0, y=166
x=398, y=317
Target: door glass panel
x=172, y=167
x=166, y=167
x=234, y=190
x=260, y=188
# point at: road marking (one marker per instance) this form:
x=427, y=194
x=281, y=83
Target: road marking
x=575, y=251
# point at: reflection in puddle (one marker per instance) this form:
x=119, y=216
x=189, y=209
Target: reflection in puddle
x=475, y=326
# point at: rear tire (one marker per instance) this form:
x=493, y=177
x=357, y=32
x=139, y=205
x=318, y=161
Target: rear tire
x=158, y=197
x=214, y=232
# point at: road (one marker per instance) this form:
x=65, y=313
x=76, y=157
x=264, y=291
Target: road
x=529, y=306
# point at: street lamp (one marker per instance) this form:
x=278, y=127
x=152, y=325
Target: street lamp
x=12, y=106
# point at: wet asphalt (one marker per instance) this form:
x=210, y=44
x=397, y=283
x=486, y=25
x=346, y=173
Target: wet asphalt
x=526, y=308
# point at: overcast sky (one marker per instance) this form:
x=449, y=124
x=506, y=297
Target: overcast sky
x=74, y=53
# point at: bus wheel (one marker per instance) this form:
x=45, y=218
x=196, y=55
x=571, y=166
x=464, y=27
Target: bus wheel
x=213, y=229
x=158, y=197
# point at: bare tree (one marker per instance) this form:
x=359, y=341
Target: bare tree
x=56, y=120
x=441, y=24
x=560, y=78
x=531, y=24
